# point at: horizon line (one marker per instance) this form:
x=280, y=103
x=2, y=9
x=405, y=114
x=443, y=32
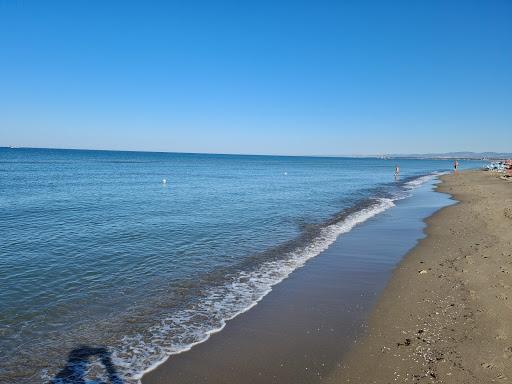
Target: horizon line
x=256, y=154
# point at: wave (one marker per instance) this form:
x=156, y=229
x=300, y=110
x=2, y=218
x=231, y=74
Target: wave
x=239, y=292
x=423, y=179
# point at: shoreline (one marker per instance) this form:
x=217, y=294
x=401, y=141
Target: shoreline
x=300, y=329
x=445, y=314
x=326, y=237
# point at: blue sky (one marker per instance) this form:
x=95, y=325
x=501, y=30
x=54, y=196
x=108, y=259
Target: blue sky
x=276, y=77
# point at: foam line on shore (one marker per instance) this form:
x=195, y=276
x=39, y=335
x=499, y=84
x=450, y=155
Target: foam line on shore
x=191, y=326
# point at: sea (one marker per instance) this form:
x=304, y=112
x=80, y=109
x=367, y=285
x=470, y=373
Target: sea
x=126, y=258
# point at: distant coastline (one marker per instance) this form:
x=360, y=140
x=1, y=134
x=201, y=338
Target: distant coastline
x=456, y=155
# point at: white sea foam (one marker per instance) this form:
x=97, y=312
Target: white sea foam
x=181, y=331
x=422, y=180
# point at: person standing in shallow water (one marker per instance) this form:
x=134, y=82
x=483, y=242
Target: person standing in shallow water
x=397, y=171
x=455, y=165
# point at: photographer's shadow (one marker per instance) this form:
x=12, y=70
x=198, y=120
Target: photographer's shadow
x=77, y=366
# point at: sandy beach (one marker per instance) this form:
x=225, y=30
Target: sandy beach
x=446, y=314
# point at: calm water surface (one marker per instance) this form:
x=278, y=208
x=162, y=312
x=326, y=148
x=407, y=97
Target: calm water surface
x=96, y=250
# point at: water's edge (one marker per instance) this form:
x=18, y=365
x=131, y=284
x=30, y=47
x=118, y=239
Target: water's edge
x=266, y=275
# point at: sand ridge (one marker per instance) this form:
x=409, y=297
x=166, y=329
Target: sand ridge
x=446, y=315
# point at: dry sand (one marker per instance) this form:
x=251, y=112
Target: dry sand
x=446, y=315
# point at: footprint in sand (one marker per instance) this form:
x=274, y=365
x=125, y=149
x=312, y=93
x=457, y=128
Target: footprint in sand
x=488, y=365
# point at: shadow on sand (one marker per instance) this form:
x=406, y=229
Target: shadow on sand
x=78, y=363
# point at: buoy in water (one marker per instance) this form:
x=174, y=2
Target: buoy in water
x=164, y=181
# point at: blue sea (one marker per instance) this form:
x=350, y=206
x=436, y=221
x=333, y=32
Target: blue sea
x=147, y=254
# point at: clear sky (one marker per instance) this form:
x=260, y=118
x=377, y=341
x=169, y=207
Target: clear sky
x=274, y=77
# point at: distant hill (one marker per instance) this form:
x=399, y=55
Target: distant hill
x=457, y=155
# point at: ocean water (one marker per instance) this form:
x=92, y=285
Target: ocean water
x=96, y=251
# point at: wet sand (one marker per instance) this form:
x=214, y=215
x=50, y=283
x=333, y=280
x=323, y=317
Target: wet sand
x=446, y=315
x=301, y=330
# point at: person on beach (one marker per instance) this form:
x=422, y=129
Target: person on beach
x=455, y=165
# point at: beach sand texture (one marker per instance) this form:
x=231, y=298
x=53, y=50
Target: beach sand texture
x=446, y=315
